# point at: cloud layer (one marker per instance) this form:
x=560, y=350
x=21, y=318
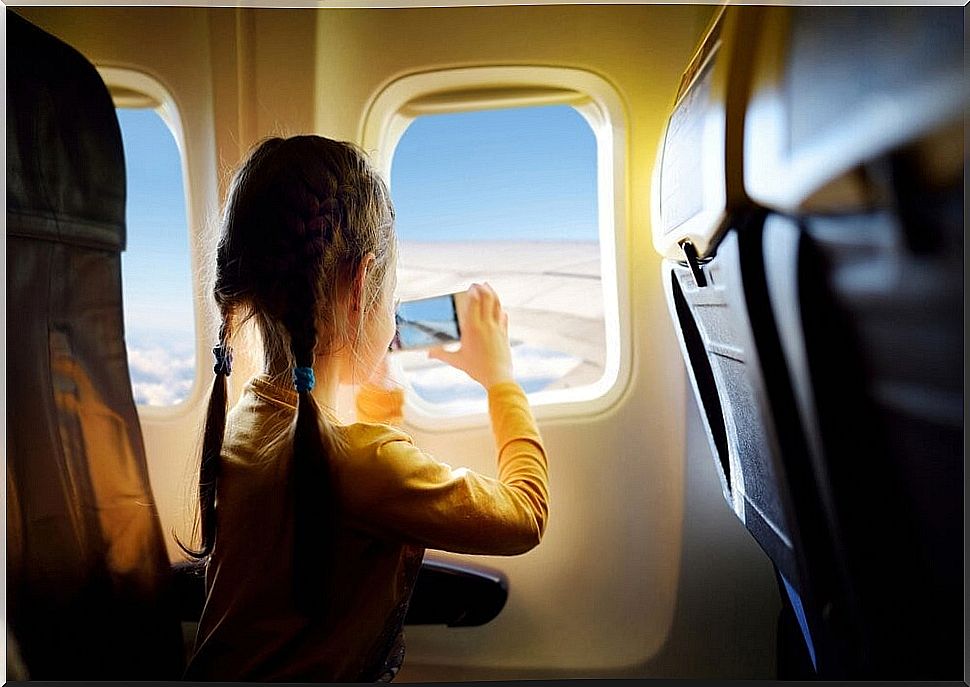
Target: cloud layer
x=454, y=392
x=161, y=376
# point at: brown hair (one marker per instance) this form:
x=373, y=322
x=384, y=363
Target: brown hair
x=301, y=215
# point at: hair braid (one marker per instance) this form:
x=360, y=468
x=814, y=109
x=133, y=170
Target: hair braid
x=212, y=436
x=315, y=441
x=301, y=215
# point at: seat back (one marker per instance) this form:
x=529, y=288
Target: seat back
x=87, y=571
x=709, y=232
x=864, y=258
x=822, y=328
x=881, y=385
x=741, y=381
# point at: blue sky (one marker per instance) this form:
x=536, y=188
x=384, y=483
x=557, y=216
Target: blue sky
x=155, y=267
x=516, y=174
x=156, y=272
x=520, y=175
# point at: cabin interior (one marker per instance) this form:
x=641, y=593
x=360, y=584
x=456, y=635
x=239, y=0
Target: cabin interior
x=760, y=478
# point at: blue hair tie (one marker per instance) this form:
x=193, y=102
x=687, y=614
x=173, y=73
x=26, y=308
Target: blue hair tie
x=303, y=378
x=223, y=356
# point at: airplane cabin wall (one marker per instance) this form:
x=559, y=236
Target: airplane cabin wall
x=643, y=570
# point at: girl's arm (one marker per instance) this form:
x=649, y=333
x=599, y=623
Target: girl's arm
x=397, y=491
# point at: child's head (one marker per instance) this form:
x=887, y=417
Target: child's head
x=308, y=251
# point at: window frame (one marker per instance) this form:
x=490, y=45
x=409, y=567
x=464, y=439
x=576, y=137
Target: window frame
x=134, y=89
x=400, y=102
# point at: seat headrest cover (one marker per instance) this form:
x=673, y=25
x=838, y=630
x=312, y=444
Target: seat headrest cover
x=65, y=166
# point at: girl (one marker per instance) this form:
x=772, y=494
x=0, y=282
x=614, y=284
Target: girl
x=314, y=532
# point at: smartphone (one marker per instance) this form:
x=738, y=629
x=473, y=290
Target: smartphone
x=426, y=322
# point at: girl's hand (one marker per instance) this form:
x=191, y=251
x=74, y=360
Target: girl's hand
x=484, y=355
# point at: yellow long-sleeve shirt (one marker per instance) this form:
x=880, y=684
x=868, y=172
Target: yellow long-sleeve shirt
x=394, y=502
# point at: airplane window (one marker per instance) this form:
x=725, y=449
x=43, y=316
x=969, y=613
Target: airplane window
x=156, y=275
x=507, y=196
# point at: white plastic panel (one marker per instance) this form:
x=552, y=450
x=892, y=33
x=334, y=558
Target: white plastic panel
x=699, y=183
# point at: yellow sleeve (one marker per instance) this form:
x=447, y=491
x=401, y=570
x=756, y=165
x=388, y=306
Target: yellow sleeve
x=402, y=492
x=380, y=405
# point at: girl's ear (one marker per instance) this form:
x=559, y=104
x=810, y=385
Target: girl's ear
x=360, y=282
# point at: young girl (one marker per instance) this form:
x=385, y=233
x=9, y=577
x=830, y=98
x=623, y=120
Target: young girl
x=313, y=532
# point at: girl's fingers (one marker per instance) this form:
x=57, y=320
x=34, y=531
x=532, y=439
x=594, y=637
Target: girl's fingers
x=481, y=304
x=496, y=304
x=487, y=299
x=492, y=306
x=480, y=300
x=473, y=303
x=439, y=353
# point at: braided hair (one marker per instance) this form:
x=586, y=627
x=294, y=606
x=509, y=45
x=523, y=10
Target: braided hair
x=302, y=214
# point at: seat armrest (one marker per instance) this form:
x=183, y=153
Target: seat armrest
x=445, y=593
x=456, y=594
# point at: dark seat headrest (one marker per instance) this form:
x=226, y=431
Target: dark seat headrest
x=65, y=167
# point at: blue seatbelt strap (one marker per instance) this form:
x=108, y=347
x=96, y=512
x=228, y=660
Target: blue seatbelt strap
x=796, y=602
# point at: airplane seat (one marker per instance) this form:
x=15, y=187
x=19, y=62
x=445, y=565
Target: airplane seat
x=881, y=336
x=819, y=309
x=863, y=270
x=87, y=571
x=740, y=378
x=708, y=232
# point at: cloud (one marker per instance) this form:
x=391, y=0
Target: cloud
x=161, y=394
x=161, y=376
x=453, y=391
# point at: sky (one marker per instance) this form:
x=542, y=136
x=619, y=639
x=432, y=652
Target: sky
x=155, y=265
x=517, y=174
x=526, y=174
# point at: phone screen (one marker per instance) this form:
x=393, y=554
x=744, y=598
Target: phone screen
x=426, y=323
